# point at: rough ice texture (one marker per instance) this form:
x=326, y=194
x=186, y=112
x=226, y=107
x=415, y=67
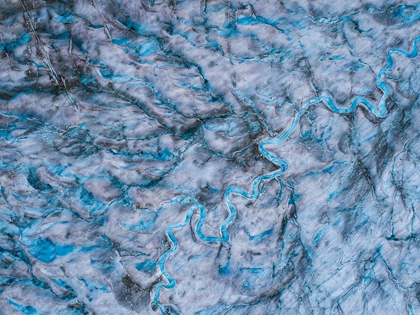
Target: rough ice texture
x=133, y=138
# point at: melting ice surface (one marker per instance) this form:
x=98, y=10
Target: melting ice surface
x=209, y=157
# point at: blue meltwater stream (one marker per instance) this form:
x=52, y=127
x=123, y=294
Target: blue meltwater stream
x=379, y=111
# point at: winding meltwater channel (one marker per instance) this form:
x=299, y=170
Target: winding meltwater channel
x=379, y=111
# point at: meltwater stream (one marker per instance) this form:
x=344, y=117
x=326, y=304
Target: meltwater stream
x=379, y=111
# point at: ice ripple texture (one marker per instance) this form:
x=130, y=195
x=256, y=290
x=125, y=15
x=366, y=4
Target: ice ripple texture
x=209, y=157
